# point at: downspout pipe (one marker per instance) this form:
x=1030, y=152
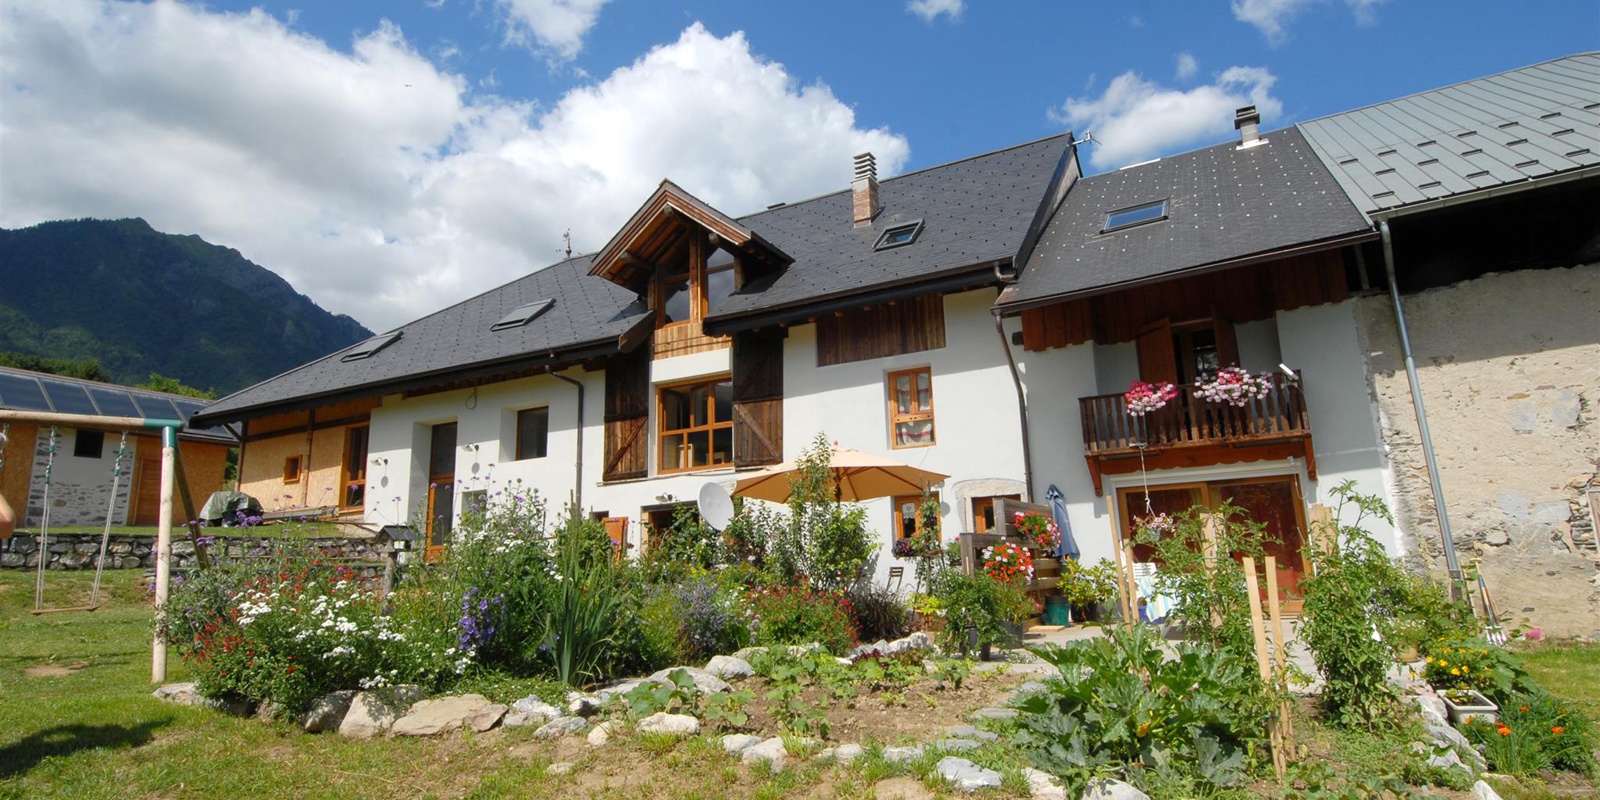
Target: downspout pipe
x=1452, y=564
x=577, y=483
x=1022, y=412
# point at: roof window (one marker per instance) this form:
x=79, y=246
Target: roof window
x=523, y=314
x=1137, y=215
x=899, y=236
x=370, y=347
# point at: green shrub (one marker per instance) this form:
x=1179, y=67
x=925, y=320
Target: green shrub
x=977, y=602
x=825, y=541
x=1121, y=706
x=801, y=615
x=877, y=613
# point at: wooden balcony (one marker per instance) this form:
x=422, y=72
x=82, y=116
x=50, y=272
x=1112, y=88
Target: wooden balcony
x=1191, y=432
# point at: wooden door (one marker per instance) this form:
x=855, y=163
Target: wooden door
x=1275, y=503
x=1158, y=357
x=146, y=488
x=1170, y=500
x=617, y=531
x=441, y=490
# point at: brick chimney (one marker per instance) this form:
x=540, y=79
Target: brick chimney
x=1248, y=122
x=864, y=190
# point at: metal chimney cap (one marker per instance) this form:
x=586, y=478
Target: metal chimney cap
x=1246, y=116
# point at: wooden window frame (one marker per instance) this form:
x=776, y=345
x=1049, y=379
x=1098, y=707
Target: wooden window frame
x=917, y=414
x=351, y=474
x=293, y=469
x=979, y=504
x=698, y=276
x=545, y=447
x=710, y=428
x=915, y=500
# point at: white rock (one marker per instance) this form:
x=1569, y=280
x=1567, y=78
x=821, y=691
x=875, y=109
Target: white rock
x=843, y=754
x=1042, y=785
x=373, y=713
x=993, y=713
x=488, y=717
x=561, y=726
x=957, y=745
x=581, y=704
x=1484, y=791
x=896, y=755
x=619, y=688
x=770, y=751
x=532, y=708
x=600, y=735
x=559, y=768
x=704, y=682
x=185, y=694
x=1108, y=789
x=729, y=668
x=671, y=724
x=736, y=743
x=967, y=776
x=441, y=715
x=327, y=711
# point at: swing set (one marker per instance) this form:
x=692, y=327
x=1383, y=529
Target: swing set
x=169, y=457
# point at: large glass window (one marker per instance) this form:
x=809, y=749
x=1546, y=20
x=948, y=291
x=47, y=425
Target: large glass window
x=911, y=407
x=690, y=292
x=696, y=425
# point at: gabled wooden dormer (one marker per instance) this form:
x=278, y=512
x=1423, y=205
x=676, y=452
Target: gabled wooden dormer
x=683, y=257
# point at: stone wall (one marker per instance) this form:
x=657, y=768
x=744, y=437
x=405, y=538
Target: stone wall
x=1510, y=371
x=125, y=551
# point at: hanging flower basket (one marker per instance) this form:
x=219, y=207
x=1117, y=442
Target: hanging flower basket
x=1008, y=561
x=1233, y=386
x=1143, y=398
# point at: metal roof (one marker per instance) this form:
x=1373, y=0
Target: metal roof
x=1521, y=125
x=25, y=390
x=1223, y=203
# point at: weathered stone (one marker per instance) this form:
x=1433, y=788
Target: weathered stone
x=770, y=751
x=969, y=732
x=704, y=682
x=1042, y=785
x=185, y=694
x=899, y=755
x=967, y=776
x=559, y=768
x=736, y=743
x=916, y=641
x=561, y=726
x=670, y=724
x=600, y=735
x=327, y=711
x=488, y=717
x=1108, y=789
x=619, y=688
x=843, y=754
x=374, y=712
x=745, y=654
x=534, y=711
x=957, y=745
x=1483, y=791
x=993, y=713
x=729, y=668
x=580, y=704
x=441, y=715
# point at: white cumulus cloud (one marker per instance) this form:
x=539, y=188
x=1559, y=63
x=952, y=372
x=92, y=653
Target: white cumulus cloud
x=555, y=26
x=1272, y=17
x=930, y=10
x=1135, y=119
x=372, y=180
x=1187, y=66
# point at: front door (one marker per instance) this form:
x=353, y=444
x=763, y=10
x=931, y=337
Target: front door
x=441, y=490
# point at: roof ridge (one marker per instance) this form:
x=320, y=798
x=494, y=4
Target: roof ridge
x=1438, y=89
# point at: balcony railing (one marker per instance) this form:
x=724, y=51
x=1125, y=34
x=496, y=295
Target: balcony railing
x=1190, y=423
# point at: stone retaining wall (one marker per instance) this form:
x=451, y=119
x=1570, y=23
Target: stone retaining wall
x=73, y=551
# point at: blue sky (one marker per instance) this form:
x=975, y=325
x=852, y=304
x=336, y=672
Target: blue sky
x=389, y=157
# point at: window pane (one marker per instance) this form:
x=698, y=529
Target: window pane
x=674, y=410
x=676, y=303
x=911, y=434
x=442, y=515
x=355, y=494
x=672, y=452
x=902, y=393
x=533, y=431
x=924, y=391
x=908, y=516
x=722, y=445
x=442, y=456
x=719, y=285
x=724, y=398
x=355, y=456
x=699, y=449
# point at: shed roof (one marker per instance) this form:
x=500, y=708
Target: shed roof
x=1516, y=126
x=1224, y=203
x=26, y=390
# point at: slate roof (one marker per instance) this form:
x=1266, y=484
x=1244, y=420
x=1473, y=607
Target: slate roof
x=26, y=390
x=1527, y=123
x=974, y=212
x=587, y=311
x=1224, y=203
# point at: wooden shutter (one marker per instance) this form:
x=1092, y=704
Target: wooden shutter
x=1158, y=359
x=758, y=397
x=1227, y=342
x=627, y=416
x=906, y=326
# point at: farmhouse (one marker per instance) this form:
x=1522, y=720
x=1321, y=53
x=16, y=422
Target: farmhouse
x=984, y=318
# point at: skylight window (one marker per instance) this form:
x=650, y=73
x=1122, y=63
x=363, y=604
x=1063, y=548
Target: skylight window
x=370, y=347
x=523, y=314
x=1137, y=215
x=899, y=236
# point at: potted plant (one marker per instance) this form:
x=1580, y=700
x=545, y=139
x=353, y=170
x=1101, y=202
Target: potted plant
x=1409, y=633
x=1143, y=398
x=1087, y=587
x=928, y=612
x=980, y=611
x=1466, y=705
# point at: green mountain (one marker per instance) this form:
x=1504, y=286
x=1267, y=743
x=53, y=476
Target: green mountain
x=140, y=301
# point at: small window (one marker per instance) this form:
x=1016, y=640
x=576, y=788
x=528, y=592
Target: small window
x=899, y=236
x=911, y=407
x=908, y=515
x=355, y=467
x=1137, y=215
x=523, y=314
x=370, y=347
x=88, y=444
x=533, y=433
x=291, y=469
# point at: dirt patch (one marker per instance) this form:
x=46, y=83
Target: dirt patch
x=901, y=789
x=54, y=670
x=921, y=711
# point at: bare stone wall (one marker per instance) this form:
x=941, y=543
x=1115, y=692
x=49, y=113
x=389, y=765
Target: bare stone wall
x=74, y=551
x=1510, y=371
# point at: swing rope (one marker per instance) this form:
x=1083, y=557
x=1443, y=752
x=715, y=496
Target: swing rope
x=44, y=526
x=111, y=507
x=105, y=533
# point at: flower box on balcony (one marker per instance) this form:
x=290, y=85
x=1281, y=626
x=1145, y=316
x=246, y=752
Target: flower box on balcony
x=1465, y=705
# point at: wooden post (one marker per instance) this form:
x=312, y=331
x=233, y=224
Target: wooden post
x=1263, y=659
x=169, y=448
x=1280, y=651
x=1320, y=527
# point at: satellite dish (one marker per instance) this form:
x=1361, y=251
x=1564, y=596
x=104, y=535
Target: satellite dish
x=716, y=505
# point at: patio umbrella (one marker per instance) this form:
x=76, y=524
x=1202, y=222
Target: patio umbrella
x=1068, y=547
x=856, y=475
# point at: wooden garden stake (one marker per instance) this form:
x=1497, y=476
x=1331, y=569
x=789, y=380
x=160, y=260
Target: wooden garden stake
x=1280, y=649
x=1263, y=659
